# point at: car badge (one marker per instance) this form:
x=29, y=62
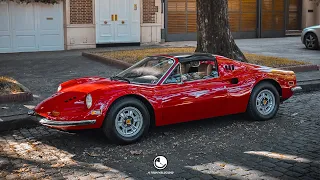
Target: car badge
x=128, y=122
x=79, y=102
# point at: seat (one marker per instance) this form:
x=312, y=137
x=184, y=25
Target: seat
x=202, y=69
x=209, y=69
x=185, y=68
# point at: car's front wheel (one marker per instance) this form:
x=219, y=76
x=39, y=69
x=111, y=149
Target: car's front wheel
x=127, y=121
x=264, y=102
x=311, y=41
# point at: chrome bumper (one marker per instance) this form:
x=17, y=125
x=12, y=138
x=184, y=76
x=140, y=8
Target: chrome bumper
x=296, y=89
x=48, y=122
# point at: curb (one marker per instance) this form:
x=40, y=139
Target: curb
x=21, y=97
x=309, y=85
x=107, y=61
x=26, y=95
x=16, y=122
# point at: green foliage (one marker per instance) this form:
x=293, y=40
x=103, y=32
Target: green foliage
x=38, y=1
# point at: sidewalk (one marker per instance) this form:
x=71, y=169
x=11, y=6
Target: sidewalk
x=306, y=76
x=309, y=81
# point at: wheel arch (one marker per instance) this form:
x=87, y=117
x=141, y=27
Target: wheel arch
x=273, y=82
x=143, y=100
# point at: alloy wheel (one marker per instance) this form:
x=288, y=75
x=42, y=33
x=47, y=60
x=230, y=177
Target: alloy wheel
x=265, y=102
x=129, y=122
x=310, y=41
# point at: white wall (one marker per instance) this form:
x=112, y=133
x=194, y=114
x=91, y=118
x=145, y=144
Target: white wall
x=80, y=36
x=310, y=18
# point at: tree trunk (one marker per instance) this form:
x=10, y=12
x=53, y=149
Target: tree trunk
x=214, y=35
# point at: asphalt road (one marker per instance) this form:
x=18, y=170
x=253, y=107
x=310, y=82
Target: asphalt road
x=233, y=147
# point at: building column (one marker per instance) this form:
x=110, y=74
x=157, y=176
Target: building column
x=151, y=21
x=310, y=13
x=317, y=14
x=79, y=24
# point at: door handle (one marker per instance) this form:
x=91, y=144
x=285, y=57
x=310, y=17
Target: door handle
x=116, y=17
x=112, y=17
x=232, y=80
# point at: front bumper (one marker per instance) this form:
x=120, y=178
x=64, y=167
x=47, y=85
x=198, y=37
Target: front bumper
x=48, y=122
x=296, y=89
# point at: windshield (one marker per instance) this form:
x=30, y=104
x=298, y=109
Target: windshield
x=149, y=70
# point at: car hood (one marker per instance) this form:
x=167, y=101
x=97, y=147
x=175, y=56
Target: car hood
x=89, y=84
x=313, y=27
x=71, y=98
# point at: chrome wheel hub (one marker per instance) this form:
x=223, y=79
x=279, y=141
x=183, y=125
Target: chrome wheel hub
x=310, y=41
x=129, y=121
x=265, y=102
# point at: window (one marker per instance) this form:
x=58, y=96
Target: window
x=196, y=70
x=148, y=71
x=174, y=77
x=192, y=71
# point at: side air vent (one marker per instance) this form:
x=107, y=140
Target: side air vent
x=229, y=67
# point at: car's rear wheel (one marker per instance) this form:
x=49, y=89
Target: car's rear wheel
x=264, y=102
x=311, y=41
x=127, y=121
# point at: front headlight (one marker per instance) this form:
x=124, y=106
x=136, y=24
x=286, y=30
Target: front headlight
x=59, y=88
x=88, y=101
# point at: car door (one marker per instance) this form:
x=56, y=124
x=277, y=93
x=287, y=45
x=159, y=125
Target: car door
x=192, y=100
x=238, y=85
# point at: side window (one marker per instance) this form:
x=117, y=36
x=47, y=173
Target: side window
x=174, y=77
x=196, y=70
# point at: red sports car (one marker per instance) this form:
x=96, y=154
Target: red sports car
x=166, y=89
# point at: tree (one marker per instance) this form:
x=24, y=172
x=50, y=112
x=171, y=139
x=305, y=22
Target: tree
x=214, y=35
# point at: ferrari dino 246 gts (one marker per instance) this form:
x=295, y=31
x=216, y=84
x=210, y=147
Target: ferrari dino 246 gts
x=166, y=89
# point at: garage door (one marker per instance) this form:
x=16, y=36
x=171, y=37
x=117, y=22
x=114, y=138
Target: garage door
x=181, y=19
x=272, y=18
x=31, y=27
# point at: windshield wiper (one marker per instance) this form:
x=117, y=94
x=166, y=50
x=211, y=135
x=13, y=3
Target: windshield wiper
x=120, y=78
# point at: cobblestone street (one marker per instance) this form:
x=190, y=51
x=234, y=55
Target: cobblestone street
x=233, y=147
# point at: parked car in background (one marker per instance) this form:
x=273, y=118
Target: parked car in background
x=310, y=37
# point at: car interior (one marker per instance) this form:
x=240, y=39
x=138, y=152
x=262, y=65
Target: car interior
x=194, y=70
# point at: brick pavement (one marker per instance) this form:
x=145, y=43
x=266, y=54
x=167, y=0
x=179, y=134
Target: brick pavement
x=287, y=147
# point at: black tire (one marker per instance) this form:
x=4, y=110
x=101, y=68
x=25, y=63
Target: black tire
x=109, y=128
x=252, y=110
x=316, y=43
